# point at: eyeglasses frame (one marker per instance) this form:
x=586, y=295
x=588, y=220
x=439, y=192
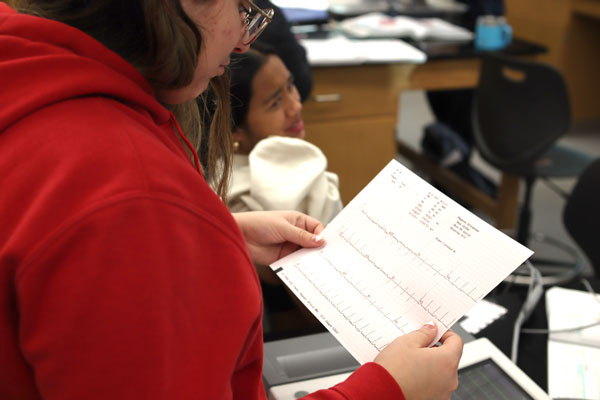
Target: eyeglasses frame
x=267, y=13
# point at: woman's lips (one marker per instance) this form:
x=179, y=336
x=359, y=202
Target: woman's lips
x=297, y=128
x=221, y=69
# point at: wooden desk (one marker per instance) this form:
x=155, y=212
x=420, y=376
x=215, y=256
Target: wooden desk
x=352, y=116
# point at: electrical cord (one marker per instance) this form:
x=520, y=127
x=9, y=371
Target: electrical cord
x=571, y=274
x=548, y=331
x=596, y=296
x=534, y=293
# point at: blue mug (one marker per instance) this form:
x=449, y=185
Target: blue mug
x=492, y=33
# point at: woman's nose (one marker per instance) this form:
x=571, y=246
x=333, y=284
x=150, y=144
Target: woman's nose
x=294, y=106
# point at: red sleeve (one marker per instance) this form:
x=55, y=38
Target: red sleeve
x=142, y=299
x=370, y=381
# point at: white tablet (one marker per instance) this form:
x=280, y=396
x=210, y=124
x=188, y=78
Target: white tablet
x=484, y=373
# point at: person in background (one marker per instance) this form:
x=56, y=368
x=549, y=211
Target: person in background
x=275, y=169
x=122, y=273
x=279, y=36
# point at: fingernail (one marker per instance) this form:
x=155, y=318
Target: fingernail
x=318, y=238
x=429, y=325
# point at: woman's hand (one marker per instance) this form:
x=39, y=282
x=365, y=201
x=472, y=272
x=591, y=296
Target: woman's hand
x=271, y=235
x=423, y=372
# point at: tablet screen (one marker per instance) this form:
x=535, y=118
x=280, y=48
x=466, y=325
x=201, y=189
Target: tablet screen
x=486, y=380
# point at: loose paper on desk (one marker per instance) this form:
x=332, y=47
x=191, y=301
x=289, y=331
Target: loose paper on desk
x=339, y=50
x=400, y=254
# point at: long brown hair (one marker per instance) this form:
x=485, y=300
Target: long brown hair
x=162, y=43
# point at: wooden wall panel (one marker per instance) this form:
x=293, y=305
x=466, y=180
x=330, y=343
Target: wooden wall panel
x=571, y=31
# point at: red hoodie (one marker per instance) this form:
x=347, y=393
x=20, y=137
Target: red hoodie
x=123, y=276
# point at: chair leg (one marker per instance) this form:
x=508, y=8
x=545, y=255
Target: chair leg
x=525, y=214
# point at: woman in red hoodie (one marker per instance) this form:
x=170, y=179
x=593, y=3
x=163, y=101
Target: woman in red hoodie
x=123, y=275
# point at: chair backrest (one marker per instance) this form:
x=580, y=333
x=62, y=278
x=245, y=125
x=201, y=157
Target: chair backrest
x=581, y=216
x=520, y=109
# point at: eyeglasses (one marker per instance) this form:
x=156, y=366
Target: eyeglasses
x=255, y=20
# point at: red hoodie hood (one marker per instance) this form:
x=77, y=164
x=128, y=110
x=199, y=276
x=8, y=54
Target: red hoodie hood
x=43, y=62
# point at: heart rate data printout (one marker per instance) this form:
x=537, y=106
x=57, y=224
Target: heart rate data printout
x=400, y=254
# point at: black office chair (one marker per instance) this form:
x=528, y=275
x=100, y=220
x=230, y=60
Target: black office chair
x=581, y=215
x=520, y=110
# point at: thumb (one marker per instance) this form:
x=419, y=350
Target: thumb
x=303, y=238
x=424, y=336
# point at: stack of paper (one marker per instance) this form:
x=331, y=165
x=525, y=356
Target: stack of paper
x=378, y=25
x=357, y=7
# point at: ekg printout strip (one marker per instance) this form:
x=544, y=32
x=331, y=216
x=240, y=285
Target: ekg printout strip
x=400, y=254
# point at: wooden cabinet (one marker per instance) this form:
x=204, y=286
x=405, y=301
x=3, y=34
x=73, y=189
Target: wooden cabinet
x=351, y=117
x=357, y=149
x=352, y=112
